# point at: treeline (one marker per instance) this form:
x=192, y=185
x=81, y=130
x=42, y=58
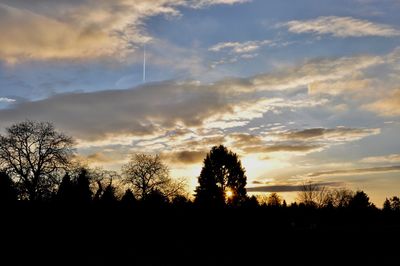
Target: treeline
x=37, y=165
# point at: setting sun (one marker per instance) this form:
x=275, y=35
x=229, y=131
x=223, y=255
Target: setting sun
x=228, y=193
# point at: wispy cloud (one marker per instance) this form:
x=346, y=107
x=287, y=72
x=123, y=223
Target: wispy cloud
x=351, y=86
x=331, y=134
x=386, y=106
x=301, y=147
x=341, y=27
x=6, y=100
x=290, y=188
x=240, y=47
x=357, y=171
x=298, y=141
x=203, y=3
x=391, y=158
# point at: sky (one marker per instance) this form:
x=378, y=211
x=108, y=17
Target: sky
x=301, y=90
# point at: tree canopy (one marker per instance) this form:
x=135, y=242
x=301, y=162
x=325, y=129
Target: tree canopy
x=147, y=174
x=222, y=178
x=34, y=153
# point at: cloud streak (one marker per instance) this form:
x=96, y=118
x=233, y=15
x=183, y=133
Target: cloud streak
x=331, y=134
x=239, y=47
x=6, y=100
x=391, y=158
x=357, y=171
x=341, y=27
x=290, y=188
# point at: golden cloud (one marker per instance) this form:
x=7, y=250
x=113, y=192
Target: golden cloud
x=386, y=106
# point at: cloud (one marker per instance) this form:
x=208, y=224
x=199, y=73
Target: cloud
x=6, y=100
x=331, y=134
x=391, y=158
x=386, y=106
x=203, y=3
x=358, y=171
x=339, y=87
x=298, y=141
x=320, y=70
x=185, y=157
x=341, y=27
x=81, y=29
x=239, y=47
x=244, y=139
x=290, y=188
x=144, y=110
x=155, y=108
x=301, y=147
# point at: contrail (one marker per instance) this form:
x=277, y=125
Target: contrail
x=144, y=63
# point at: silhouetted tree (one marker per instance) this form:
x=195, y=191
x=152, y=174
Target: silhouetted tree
x=34, y=153
x=360, y=201
x=314, y=195
x=251, y=202
x=387, y=206
x=66, y=192
x=147, y=173
x=274, y=200
x=8, y=191
x=128, y=199
x=155, y=199
x=395, y=203
x=99, y=191
x=180, y=201
x=222, y=179
x=83, y=193
x=341, y=197
x=109, y=196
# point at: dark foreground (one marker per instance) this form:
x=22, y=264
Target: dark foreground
x=45, y=235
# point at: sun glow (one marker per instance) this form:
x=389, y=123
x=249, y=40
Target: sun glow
x=228, y=193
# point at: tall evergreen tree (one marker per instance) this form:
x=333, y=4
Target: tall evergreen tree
x=387, y=206
x=108, y=196
x=222, y=179
x=65, y=191
x=128, y=199
x=360, y=201
x=83, y=193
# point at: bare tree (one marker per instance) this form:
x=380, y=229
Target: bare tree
x=147, y=173
x=34, y=153
x=274, y=200
x=314, y=195
x=341, y=197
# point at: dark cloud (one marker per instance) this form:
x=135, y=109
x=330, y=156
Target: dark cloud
x=358, y=171
x=290, y=188
x=138, y=111
x=335, y=134
x=241, y=139
x=305, y=134
x=185, y=157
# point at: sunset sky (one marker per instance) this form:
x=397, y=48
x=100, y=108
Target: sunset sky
x=300, y=90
